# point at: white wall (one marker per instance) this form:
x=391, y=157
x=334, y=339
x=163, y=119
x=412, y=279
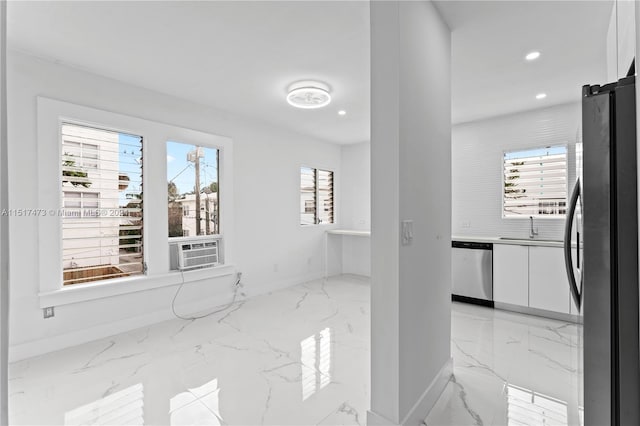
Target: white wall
x=356, y=207
x=411, y=169
x=270, y=247
x=621, y=39
x=477, y=150
x=4, y=224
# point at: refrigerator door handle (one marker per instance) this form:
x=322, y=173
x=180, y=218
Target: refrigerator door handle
x=568, y=260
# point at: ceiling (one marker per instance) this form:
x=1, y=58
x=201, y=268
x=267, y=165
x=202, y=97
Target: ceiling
x=490, y=39
x=240, y=56
x=237, y=56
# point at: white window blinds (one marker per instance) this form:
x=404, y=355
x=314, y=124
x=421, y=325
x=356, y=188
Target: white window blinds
x=325, y=196
x=307, y=196
x=101, y=204
x=316, y=196
x=535, y=182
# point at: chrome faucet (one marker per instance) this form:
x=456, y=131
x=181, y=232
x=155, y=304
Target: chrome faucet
x=532, y=232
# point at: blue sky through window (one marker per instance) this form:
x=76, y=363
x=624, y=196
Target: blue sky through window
x=537, y=152
x=130, y=158
x=182, y=172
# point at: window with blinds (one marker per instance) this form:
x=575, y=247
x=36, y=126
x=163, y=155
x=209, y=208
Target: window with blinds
x=316, y=196
x=535, y=182
x=102, y=203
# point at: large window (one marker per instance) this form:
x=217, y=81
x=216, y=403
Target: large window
x=192, y=185
x=101, y=204
x=96, y=228
x=535, y=182
x=316, y=196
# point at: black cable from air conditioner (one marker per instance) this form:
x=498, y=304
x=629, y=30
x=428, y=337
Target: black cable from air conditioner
x=236, y=287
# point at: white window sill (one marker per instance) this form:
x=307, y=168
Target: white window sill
x=98, y=290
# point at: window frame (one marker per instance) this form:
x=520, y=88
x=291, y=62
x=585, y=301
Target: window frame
x=335, y=213
x=562, y=144
x=51, y=114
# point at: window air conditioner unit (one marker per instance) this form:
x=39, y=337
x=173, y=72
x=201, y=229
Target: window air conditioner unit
x=198, y=254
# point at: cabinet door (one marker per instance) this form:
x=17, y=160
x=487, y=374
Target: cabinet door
x=548, y=283
x=511, y=274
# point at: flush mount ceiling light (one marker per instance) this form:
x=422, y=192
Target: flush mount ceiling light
x=308, y=95
x=532, y=55
x=541, y=95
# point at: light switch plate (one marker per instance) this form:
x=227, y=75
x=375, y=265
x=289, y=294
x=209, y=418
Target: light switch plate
x=407, y=232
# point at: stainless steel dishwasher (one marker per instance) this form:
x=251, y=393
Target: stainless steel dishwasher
x=472, y=272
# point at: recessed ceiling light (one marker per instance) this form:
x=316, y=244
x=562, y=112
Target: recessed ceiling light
x=342, y=112
x=532, y=55
x=308, y=95
x=541, y=95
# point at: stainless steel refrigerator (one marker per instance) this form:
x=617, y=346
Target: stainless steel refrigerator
x=601, y=254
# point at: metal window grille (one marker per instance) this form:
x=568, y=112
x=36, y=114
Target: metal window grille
x=535, y=183
x=316, y=196
x=102, y=224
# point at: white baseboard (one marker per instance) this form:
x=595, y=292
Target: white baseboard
x=62, y=341
x=45, y=345
x=539, y=312
x=353, y=275
x=423, y=405
x=375, y=419
x=430, y=396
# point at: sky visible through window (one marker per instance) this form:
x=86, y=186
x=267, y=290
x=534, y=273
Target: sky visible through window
x=130, y=157
x=537, y=152
x=181, y=172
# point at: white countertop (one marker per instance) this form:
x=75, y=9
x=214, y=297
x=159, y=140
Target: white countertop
x=511, y=241
x=354, y=232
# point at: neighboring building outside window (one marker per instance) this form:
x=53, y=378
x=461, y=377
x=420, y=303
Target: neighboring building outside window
x=316, y=196
x=80, y=204
x=84, y=154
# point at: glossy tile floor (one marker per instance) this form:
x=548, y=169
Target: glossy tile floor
x=295, y=357
x=511, y=369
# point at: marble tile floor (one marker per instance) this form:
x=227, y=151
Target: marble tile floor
x=299, y=356
x=511, y=369
x=294, y=357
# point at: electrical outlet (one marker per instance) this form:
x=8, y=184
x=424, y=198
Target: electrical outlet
x=466, y=224
x=48, y=312
x=407, y=232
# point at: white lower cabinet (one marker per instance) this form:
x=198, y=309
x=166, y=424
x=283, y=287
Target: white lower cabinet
x=531, y=276
x=511, y=274
x=548, y=283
